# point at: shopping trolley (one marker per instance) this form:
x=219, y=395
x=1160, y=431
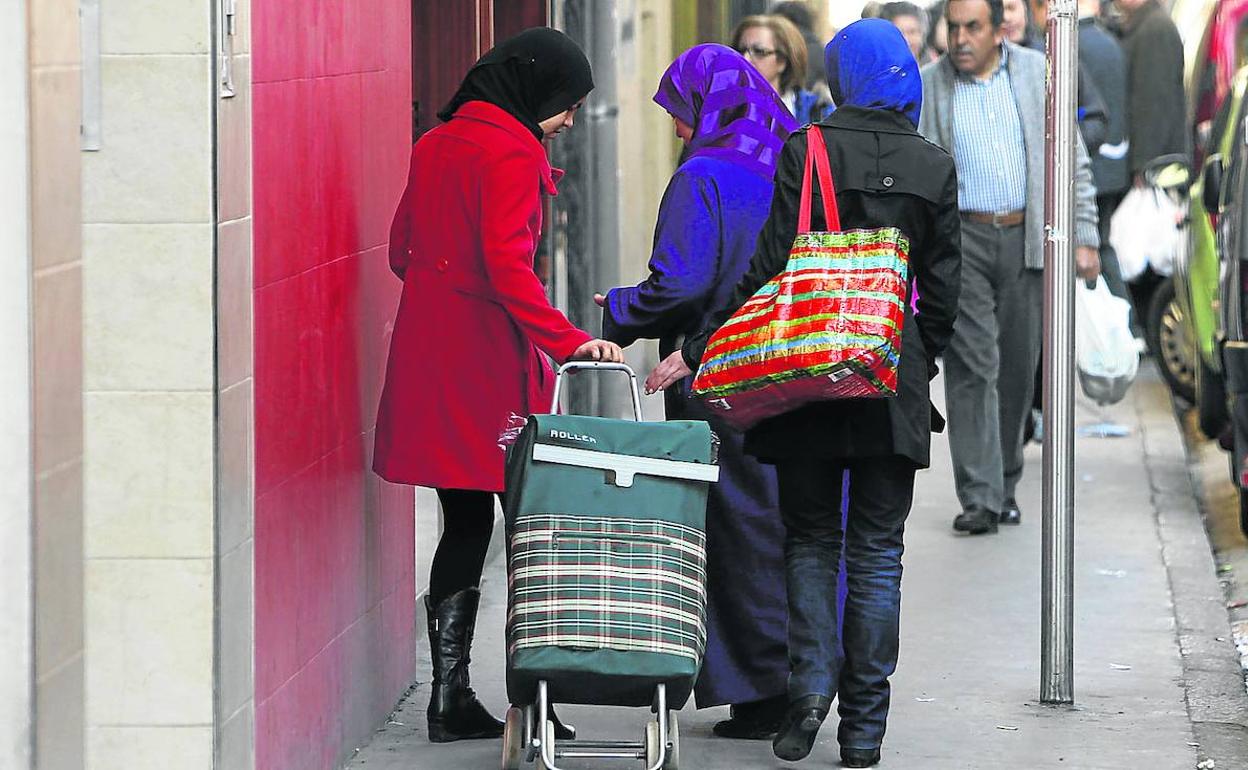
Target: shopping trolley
x=606, y=555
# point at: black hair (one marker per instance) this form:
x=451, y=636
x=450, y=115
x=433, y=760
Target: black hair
x=935, y=12
x=996, y=11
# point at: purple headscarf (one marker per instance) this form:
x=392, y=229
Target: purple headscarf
x=735, y=113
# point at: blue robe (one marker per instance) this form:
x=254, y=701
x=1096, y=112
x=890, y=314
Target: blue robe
x=708, y=222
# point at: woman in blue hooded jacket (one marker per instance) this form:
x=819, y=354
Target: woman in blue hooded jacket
x=733, y=125
x=885, y=175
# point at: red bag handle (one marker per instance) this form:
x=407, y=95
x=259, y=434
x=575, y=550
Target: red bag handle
x=817, y=155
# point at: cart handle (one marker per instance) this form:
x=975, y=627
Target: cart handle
x=599, y=366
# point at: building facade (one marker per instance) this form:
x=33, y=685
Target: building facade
x=197, y=319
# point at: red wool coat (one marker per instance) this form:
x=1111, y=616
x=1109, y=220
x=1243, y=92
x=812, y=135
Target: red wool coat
x=473, y=321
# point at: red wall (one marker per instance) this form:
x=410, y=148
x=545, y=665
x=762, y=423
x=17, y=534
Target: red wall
x=334, y=561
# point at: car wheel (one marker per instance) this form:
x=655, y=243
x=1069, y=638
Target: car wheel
x=1171, y=340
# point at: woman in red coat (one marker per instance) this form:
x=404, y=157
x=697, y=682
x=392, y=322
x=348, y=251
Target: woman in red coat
x=474, y=326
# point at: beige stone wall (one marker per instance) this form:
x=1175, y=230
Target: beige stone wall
x=149, y=400
x=56, y=293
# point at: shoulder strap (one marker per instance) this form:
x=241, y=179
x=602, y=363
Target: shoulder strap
x=817, y=158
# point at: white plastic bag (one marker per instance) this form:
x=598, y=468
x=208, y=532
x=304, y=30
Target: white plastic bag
x=1144, y=231
x=1106, y=354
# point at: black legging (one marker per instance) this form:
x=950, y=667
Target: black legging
x=467, y=523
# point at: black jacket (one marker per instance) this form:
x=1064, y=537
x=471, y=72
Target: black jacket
x=885, y=174
x=1102, y=58
x=1156, y=103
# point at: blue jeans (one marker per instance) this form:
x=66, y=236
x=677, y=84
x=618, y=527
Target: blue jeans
x=880, y=492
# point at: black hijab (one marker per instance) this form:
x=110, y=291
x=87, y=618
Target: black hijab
x=533, y=76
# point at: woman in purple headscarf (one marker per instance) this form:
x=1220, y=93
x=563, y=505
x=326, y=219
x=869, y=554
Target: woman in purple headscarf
x=885, y=174
x=733, y=125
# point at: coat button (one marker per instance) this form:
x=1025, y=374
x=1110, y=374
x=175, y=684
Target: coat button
x=443, y=265
x=888, y=181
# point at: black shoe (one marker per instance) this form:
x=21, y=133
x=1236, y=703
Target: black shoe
x=753, y=721
x=797, y=732
x=562, y=732
x=454, y=712
x=1011, y=515
x=976, y=520
x=860, y=757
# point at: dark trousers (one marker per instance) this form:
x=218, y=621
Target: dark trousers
x=747, y=653
x=990, y=364
x=880, y=492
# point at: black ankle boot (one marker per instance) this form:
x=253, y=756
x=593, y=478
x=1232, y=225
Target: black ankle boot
x=797, y=732
x=753, y=721
x=562, y=732
x=454, y=711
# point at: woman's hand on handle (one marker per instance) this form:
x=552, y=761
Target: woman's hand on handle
x=670, y=370
x=598, y=350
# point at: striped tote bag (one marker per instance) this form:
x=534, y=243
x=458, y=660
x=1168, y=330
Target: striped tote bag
x=827, y=327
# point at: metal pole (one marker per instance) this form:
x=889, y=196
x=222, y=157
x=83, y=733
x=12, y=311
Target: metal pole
x=1057, y=591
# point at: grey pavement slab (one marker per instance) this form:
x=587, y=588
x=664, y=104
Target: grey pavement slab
x=1217, y=697
x=966, y=691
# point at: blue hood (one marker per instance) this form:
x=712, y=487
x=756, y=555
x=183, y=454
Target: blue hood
x=870, y=65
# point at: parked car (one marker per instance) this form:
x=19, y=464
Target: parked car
x=1179, y=311
x=1213, y=33
x=1196, y=277
x=1225, y=194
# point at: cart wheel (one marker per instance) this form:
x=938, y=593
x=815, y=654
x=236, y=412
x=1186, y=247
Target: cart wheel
x=673, y=739
x=547, y=740
x=652, y=743
x=513, y=739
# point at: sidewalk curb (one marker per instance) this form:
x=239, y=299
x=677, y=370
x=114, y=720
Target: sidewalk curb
x=1217, y=702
